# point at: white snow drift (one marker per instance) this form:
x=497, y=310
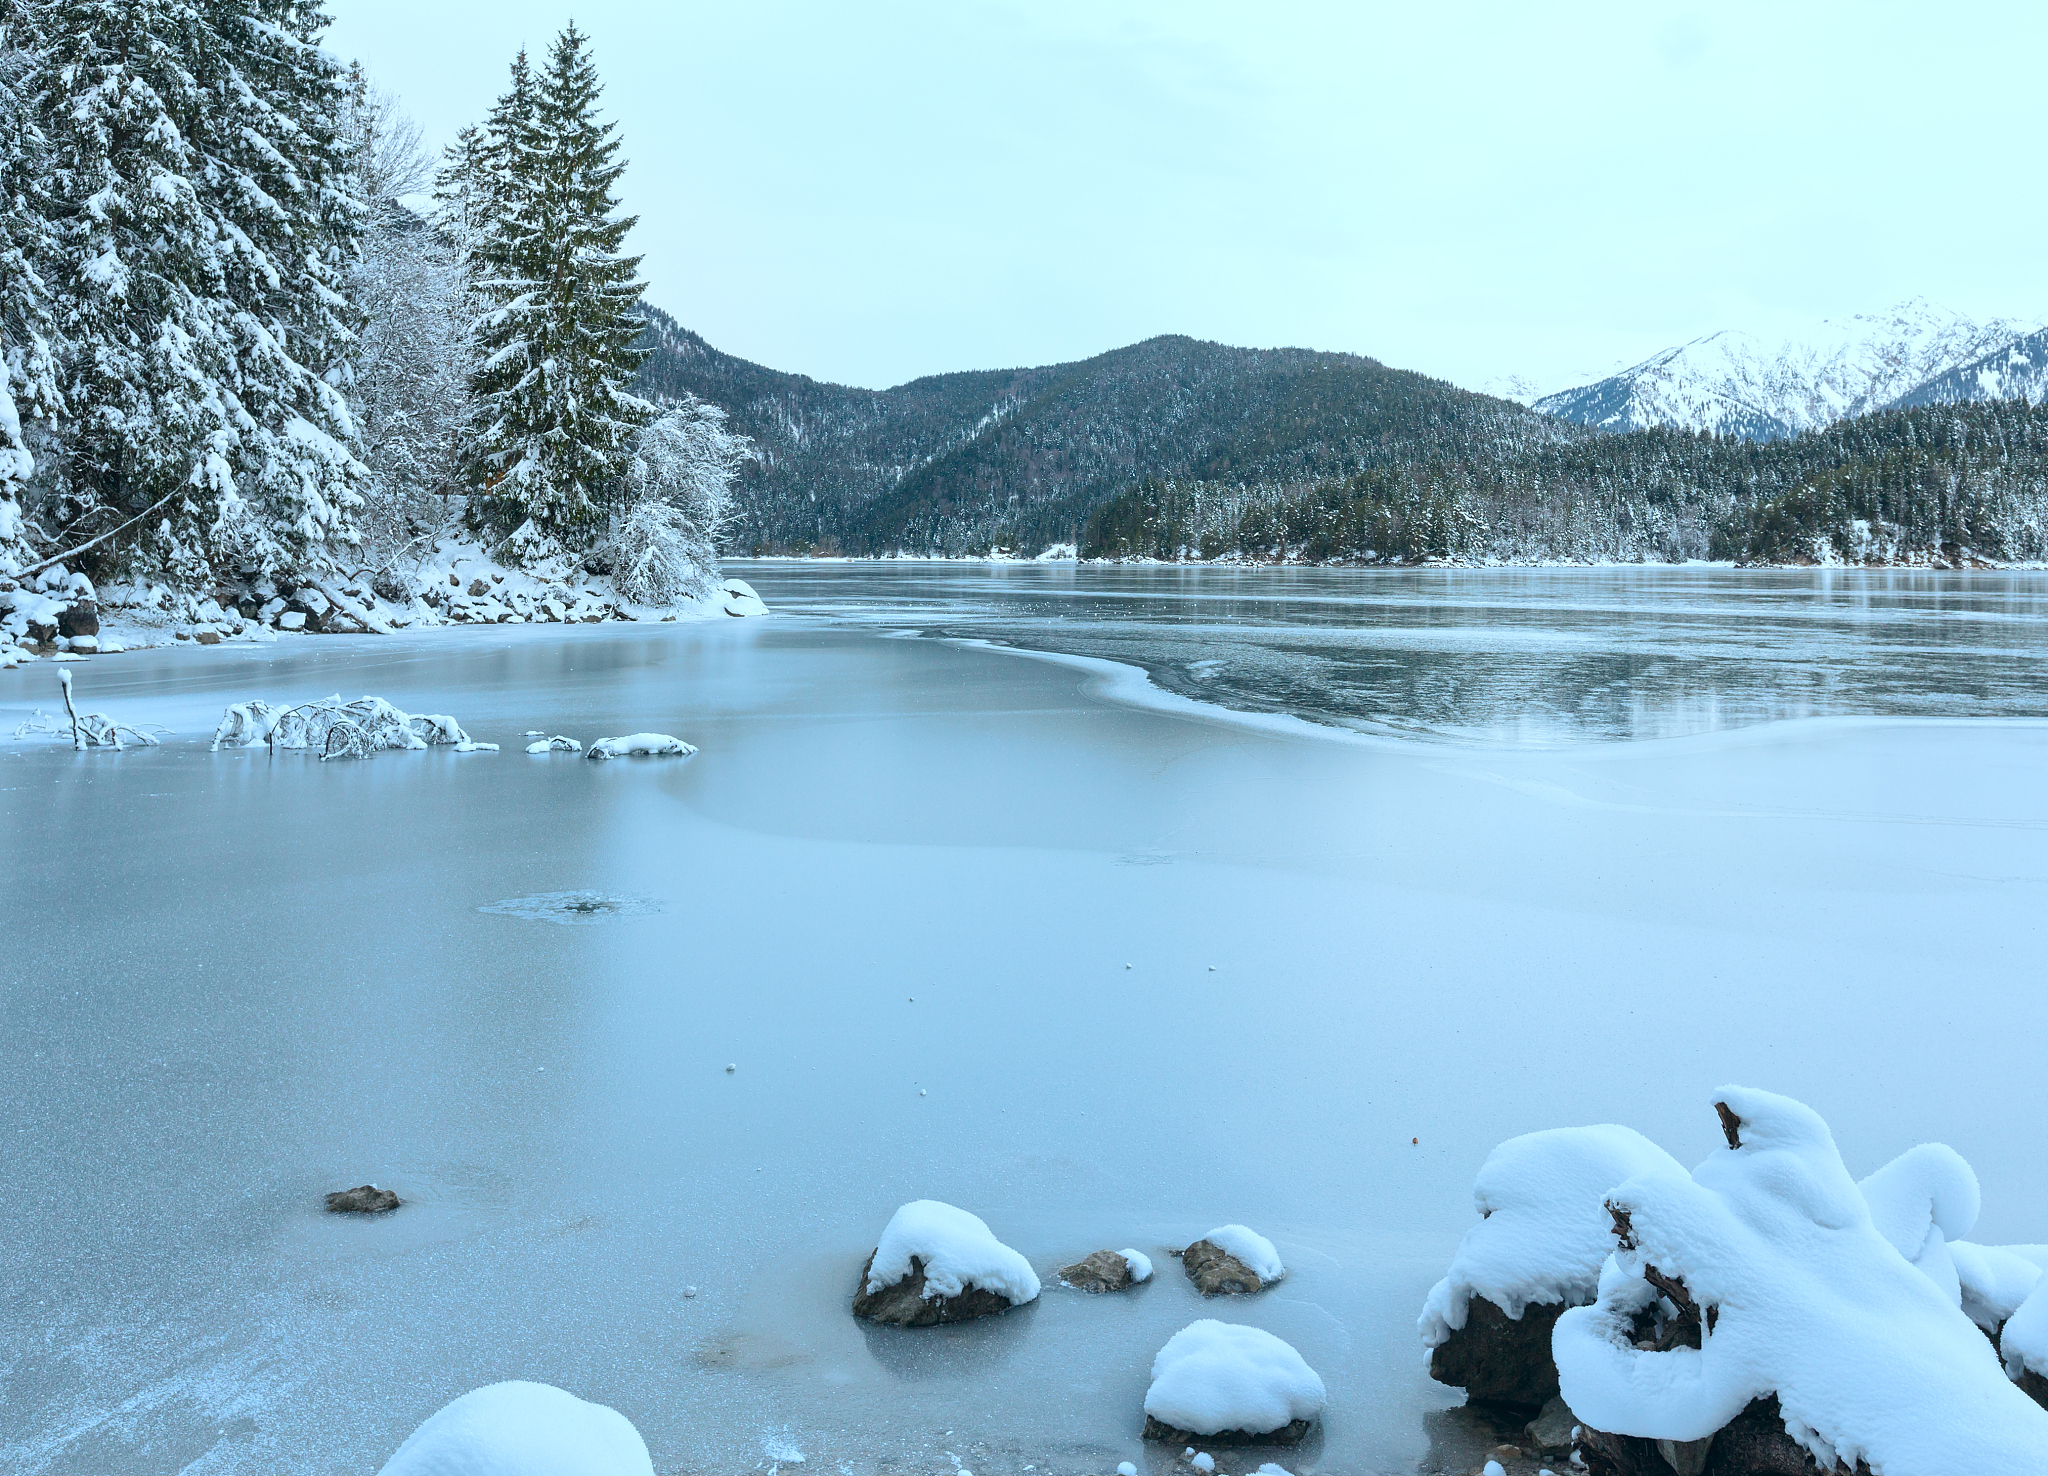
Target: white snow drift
x=1252, y=1250
x=1214, y=1376
x=1544, y=1228
x=522, y=1429
x=957, y=1251
x=657, y=745
x=1804, y=1297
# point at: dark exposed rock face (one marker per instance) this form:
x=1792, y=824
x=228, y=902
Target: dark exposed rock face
x=1105, y=1271
x=79, y=618
x=364, y=1199
x=1754, y=1443
x=1497, y=1359
x=905, y=1303
x=1288, y=1434
x=2034, y=1387
x=1215, y=1270
x=206, y=637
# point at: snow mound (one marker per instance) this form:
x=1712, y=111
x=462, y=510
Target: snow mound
x=956, y=1249
x=2025, y=1339
x=1797, y=1294
x=556, y=744
x=1995, y=1279
x=1251, y=1249
x=1544, y=1229
x=332, y=727
x=1920, y=1201
x=1139, y=1262
x=522, y=1429
x=739, y=598
x=1214, y=1376
x=653, y=744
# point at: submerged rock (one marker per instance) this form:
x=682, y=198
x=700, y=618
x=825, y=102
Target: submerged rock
x=1754, y=1443
x=1498, y=1359
x=905, y=1304
x=364, y=1199
x=1552, y=1429
x=1290, y=1433
x=1104, y=1271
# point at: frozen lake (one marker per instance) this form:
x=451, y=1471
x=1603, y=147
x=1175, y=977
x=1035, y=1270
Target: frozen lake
x=898, y=889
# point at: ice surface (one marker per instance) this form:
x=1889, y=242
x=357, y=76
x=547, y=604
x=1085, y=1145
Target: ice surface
x=1252, y=1249
x=1449, y=931
x=1869, y=1359
x=656, y=744
x=575, y=908
x=957, y=1250
x=522, y=1429
x=1213, y=1376
x=1544, y=1230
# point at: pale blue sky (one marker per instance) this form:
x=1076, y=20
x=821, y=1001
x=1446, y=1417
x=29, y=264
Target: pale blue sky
x=867, y=193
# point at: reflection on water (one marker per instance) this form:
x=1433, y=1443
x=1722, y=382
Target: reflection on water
x=1524, y=655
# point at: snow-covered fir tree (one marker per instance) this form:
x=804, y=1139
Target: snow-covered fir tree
x=554, y=421
x=201, y=241
x=27, y=373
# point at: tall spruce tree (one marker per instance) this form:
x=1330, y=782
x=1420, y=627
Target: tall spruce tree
x=28, y=382
x=202, y=234
x=554, y=423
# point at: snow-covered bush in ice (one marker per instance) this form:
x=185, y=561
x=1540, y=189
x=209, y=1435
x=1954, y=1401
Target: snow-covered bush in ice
x=1763, y=1274
x=956, y=1251
x=1214, y=1378
x=1544, y=1229
x=1922, y=1200
x=663, y=549
x=658, y=745
x=522, y=1429
x=309, y=725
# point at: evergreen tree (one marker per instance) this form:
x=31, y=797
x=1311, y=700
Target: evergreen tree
x=554, y=423
x=27, y=372
x=198, y=264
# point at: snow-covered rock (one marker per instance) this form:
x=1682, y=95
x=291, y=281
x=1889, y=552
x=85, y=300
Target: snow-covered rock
x=938, y=1263
x=1768, y=1256
x=2024, y=1342
x=1232, y=1259
x=1139, y=1262
x=652, y=744
x=1995, y=1279
x=738, y=598
x=556, y=744
x=1222, y=1381
x=1105, y=1271
x=522, y=1429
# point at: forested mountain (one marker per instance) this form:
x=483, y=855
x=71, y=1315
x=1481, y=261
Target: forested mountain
x=1734, y=383
x=1176, y=449
x=1020, y=459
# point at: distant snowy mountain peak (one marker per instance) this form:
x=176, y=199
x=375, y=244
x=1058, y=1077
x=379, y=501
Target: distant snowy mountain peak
x=1734, y=383
x=2018, y=371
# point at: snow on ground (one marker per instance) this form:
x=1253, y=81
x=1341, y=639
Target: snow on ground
x=1214, y=1376
x=1544, y=1229
x=1253, y=1251
x=457, y=584
x=957, y=1251
x=1803, y=1297
x=522, y=1429
x=653, y=745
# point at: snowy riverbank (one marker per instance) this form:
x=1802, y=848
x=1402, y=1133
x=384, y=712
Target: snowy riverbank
x=898, y=888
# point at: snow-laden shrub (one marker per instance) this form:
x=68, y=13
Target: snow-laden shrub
x=1544, y=1229
x=1920, y=1201
x=1772, y=1248
x=310, y=725
x=1215, y=1376
x=522, y=1429
x=662, y=549
x=956, y=1249
x=646, y=745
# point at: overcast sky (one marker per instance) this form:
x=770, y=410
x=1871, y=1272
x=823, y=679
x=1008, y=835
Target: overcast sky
x=868, y=193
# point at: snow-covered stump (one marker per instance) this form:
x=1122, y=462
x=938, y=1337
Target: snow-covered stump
x=1232, y=1260
x=1542, y=1235
x=1755, y=1318
x=1218, y=1383
x=648, y=745
x=522, y=1429
x=934, y=1264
